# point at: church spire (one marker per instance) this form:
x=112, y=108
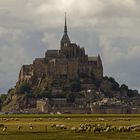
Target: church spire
x=65, y=27
x=65, y=41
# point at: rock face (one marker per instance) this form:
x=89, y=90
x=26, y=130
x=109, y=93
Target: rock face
x=63, y=65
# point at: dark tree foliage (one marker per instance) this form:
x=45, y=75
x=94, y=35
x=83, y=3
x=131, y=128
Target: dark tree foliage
x=3, y=98
x=124, y=87
x=24, y=88
x=10, y=90
x=83, y=75
x=75, y=86
x=70, y=97
x=44, y=94
x=115, y=85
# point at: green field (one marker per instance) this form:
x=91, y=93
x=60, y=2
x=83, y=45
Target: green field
x=43, y=130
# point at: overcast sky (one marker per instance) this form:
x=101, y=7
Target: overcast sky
x=108, y=27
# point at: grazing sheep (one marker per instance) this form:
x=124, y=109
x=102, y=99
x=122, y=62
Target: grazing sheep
x=34, y=120
x=62, y=126
x=16, y=119
x=57, y=126
x=4, y=129
x=107, y=129
x=53, y=125
x=31, y=126
x=120, y=129
x=88, y=129
x=136, y=129
x=80, y=129
x=40, y=119
x=73, y=129
x=20, y=127
x=96, y=129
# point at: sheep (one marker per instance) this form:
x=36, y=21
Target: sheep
x=121, y=129
x=34, y=119
x=73, y=129
x=88, y=129
x=97, y=128
x=20, y=127
x=31, y=126
x=68, y=118
x=80, y=129
x=63, y=126
x=136, y=129
x=4, y=129
x=53, y=125
x=57, y=126
x=40, y=119
x=16, y=119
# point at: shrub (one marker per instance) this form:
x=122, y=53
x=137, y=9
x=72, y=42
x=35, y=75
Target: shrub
x=24, y=88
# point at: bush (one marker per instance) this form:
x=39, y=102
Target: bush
x=70, y=97
x=115, y=85
x=75, y=86
x=24, y=88
x=44, y=94
x=3, y=98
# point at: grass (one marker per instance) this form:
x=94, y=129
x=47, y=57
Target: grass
x=69, y=115
x=39, y=131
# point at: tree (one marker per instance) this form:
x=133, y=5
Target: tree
x=24, y=88
x=3, y=98
x=44, y=94
x=10, y=90
x=124, y=87
x=70, y=97
x=75, y=86
x=115, y=85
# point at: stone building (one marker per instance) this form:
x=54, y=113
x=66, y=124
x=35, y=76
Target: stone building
x=64, y=64
x=60, y=105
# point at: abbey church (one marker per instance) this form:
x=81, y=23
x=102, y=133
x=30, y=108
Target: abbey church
x=63, y=65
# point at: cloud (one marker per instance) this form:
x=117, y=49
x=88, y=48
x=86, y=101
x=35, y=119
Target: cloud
x=108, y=27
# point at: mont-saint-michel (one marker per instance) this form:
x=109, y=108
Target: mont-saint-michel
x=67, y=80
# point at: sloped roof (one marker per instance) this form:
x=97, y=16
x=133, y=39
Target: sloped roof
x=53, y=53
x=93, y=58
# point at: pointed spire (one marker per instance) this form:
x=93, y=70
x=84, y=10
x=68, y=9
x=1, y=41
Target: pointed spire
x=65, y=28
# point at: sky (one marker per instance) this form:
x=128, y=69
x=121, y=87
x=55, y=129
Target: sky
x=110, y=28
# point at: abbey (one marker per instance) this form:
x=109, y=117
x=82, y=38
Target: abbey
x=63, y=65
x=67, y=80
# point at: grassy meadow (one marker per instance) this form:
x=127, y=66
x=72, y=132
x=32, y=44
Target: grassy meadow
x=43, y=130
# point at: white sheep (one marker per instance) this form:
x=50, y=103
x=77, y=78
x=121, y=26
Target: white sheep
x=4, y=129
x=31, y=126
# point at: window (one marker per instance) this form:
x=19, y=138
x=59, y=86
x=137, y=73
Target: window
x=65, y=44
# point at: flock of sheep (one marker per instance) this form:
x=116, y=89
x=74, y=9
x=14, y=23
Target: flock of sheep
x=87, y=125
x=98, y=128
